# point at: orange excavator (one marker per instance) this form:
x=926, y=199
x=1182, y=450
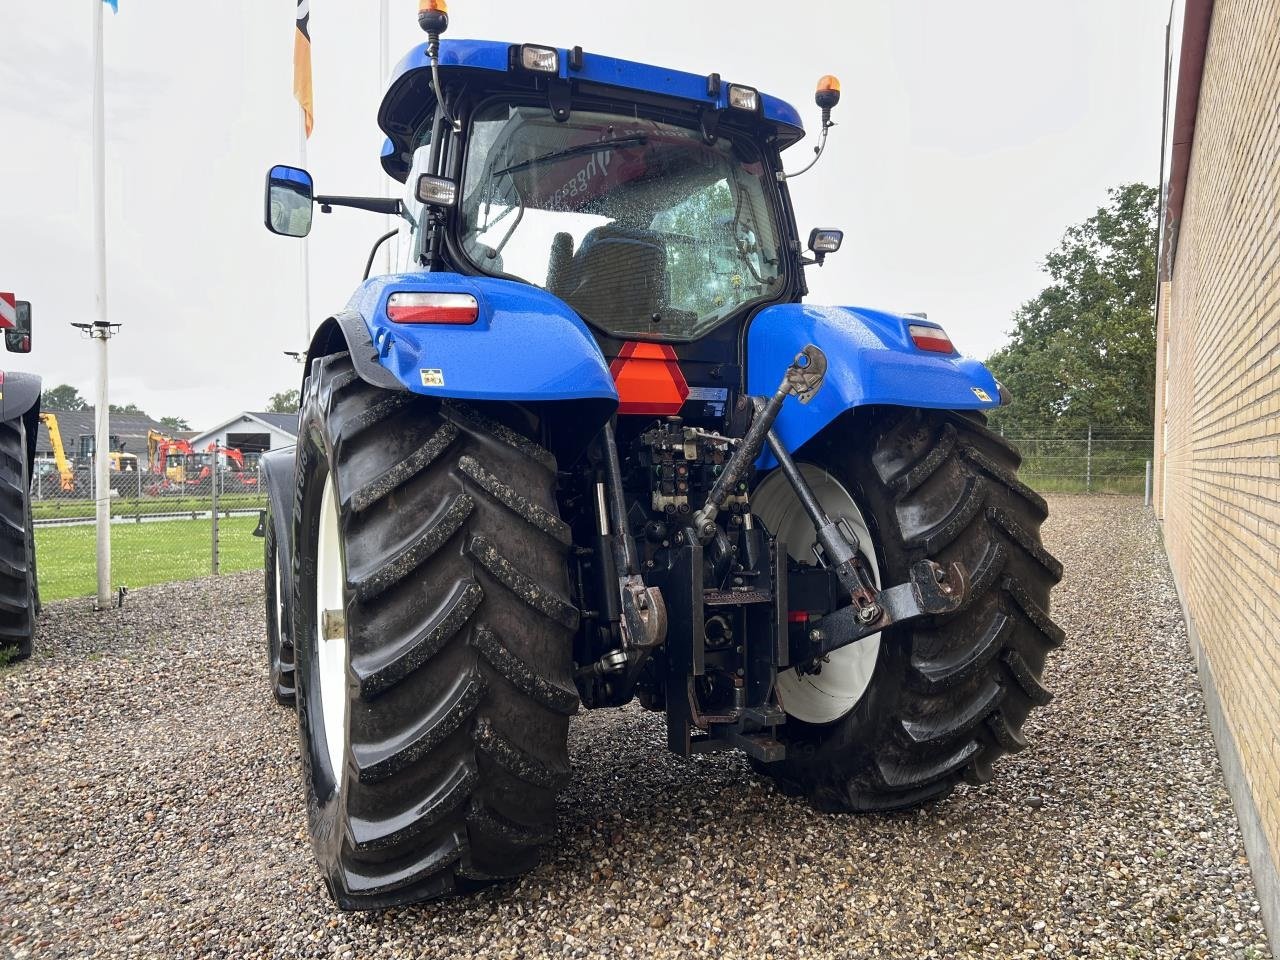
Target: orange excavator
x=171, y=460
x=239, y=477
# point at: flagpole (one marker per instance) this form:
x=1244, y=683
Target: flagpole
x=384, y=71
x=102, y=411
x=306, y=242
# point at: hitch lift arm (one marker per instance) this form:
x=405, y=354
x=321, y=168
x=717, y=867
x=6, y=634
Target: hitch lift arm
x=932, y=591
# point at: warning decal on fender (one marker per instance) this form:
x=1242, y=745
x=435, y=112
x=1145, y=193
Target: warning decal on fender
x=977, y=392
x=432, y=378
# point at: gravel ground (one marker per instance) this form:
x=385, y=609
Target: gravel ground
x=150, y=806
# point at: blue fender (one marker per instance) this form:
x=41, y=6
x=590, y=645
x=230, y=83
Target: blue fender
x=870, y=360
x=526, y=345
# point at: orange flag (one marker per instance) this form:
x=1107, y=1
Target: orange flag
x=302, y=63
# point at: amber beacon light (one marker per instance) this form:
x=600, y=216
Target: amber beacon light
x=433, y=16
x=827, y=96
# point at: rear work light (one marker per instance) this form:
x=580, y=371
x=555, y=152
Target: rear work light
x=933, y=339
x=744, y=98
x=540, y=59
x=455, y=308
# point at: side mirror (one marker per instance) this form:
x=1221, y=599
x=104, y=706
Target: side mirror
x=18, y=338
x=822, y=242
x=290, y=199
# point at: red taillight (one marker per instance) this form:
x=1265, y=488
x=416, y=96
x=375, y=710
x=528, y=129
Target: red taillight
x=933, y=339
x=458, y=308
x=797, y=616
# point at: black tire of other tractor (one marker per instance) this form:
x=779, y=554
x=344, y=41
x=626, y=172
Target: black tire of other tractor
x=279, y=622
x=460, y=641
x=18, y=596
x=948, y=696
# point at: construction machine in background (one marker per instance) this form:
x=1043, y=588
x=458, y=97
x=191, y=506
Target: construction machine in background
x=66, y=472
x=170, y=463
x=234, y=477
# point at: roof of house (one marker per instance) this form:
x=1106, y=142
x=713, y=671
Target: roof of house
x=283, y=422
x=288, y=422
x=131, y=428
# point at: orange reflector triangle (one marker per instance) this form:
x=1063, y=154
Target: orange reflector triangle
x=648, y=379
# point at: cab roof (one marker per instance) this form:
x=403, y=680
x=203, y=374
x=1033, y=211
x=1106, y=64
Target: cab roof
x=409, y=96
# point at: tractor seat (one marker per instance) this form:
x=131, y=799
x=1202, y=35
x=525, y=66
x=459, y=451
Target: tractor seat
x=618, y=277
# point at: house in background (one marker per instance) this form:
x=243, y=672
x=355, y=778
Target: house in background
x=251, y=433
x=1217, y=430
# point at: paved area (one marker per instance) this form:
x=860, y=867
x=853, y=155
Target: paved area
x=150, y=806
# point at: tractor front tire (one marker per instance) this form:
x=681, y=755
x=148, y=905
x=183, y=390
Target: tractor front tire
x=19, y=599
x=947, y=696
x=279, y=616
x=447, y=616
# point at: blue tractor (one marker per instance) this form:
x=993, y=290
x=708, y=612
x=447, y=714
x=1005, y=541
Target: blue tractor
x=588, y=445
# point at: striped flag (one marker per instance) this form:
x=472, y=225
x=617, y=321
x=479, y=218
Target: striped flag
x=302, y=63
x=8, y=311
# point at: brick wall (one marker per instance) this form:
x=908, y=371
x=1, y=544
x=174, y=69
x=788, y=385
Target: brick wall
x=1219, y=475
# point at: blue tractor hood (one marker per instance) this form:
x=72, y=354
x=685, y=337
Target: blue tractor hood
x=409, y=96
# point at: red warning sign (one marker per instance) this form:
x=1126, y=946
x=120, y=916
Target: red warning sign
x=648, y=379
x=8, y=311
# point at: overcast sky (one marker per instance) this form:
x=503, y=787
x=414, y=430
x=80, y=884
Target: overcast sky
x=970, y=135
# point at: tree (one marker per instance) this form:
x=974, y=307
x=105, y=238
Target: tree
x=176, y=423
x=1083, y=351
x=132, y=408
x=285, y=402
x=62, y=397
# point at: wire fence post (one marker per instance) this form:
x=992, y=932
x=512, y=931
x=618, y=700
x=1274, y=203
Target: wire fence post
x=1088, y=462
x=213, y=490
x=1146, y=495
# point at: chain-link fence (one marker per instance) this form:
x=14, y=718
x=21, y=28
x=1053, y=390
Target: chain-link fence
x=189, y=517
x=1091, y=460
x=174, y=522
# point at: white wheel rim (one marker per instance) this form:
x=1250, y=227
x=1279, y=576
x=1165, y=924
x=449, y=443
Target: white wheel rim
x=331, y=652
x=832, y=693
x=280, y=588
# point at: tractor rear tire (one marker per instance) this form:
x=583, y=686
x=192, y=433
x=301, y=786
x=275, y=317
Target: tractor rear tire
x=455, y=640
x=947, y=696
x=19, y=599
x=279, y=616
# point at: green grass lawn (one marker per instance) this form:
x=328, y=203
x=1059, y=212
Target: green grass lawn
x=142, y=554
x=55, y=509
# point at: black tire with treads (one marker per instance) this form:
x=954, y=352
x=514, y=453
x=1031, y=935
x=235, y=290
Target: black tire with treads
x=19, y=599
x=948, y=696
x=279, y=619
x=459, y=629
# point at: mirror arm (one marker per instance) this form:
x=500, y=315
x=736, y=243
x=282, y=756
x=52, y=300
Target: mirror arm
x=375, y=204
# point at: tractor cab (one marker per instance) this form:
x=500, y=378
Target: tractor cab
x=648, y=200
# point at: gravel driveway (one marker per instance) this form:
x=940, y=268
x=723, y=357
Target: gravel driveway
x=150, y=806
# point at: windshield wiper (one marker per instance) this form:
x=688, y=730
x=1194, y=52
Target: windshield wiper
x=573, y=152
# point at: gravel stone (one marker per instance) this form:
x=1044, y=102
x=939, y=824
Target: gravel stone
x=150, y=806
